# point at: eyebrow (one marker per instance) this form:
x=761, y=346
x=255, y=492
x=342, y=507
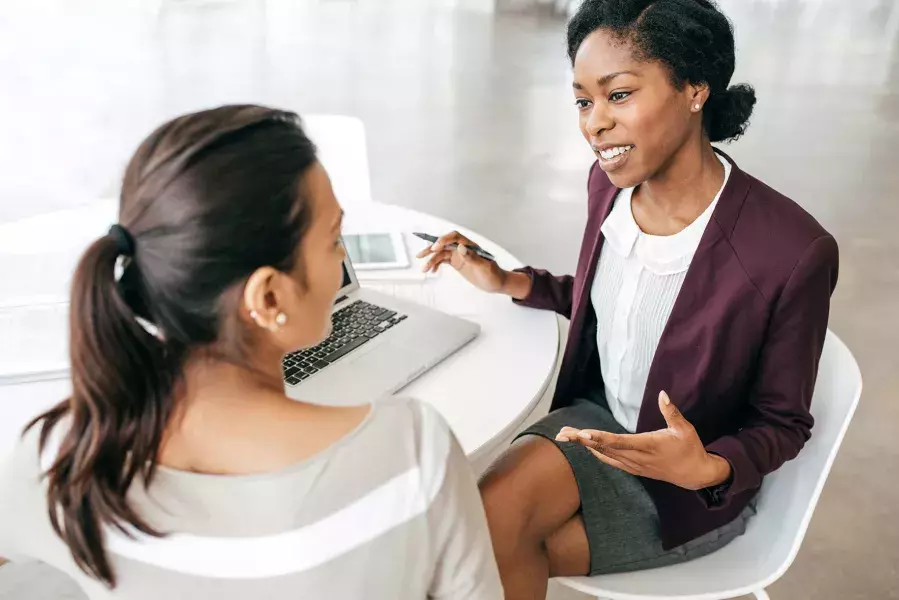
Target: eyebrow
x=605, y=79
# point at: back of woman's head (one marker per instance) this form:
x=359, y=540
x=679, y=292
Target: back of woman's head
x=692, y=38
x=207, y=199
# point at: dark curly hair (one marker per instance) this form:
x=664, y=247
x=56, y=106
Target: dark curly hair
x=692, y=38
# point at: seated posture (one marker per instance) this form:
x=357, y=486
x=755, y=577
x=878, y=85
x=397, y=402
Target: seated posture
x=178, y=468
x=698, y=314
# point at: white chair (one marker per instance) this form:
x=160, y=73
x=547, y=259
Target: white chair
x=763, y=554
x=35, y=274
x=342, y=151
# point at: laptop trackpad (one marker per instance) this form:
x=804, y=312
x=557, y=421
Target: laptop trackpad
x=391, y=361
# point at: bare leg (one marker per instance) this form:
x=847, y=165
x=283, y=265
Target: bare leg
x=530, y=496
x=568, y=550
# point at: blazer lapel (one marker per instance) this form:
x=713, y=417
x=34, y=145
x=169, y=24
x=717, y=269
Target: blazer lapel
x=676, y=368
x=583, y=281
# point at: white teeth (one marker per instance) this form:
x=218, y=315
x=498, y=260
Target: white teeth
x=613, y=152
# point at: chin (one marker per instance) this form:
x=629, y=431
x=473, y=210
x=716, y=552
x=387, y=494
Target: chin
x=625, y=179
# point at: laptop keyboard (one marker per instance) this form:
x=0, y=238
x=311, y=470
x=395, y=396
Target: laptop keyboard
x=352, y=326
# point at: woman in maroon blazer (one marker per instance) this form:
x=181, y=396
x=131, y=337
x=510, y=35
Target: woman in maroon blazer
x=698, y=314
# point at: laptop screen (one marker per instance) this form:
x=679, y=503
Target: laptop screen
x=349, y=283
x=346, y=276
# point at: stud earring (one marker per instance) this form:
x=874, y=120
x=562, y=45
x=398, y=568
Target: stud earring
x=696, y=107
x=254, y=315
x=281, y=319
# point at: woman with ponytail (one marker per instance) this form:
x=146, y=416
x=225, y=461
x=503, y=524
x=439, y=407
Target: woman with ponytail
x=698, y=314
x=178, y=468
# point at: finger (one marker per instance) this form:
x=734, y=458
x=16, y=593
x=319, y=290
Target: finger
x=673, y=417
x=567, y=434
x=603, y=439
x=436, y=260
x=614, y=462
x=453, y=237
x=462, y=257
x=424, y=252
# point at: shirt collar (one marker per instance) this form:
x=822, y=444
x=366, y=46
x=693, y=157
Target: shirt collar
x=662, y=255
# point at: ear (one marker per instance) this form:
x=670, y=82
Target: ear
x=261, y=297
x=699, y=95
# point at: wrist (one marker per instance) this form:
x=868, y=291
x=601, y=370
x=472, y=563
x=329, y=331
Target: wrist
x=717, y=471
x=515, y=284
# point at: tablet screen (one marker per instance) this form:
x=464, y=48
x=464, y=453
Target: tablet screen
x=376, y=250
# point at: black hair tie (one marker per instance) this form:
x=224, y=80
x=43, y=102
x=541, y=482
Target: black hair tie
x=124, y=241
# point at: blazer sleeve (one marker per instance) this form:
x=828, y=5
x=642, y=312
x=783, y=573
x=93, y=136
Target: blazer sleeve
x=779, y=422
x=549, y=292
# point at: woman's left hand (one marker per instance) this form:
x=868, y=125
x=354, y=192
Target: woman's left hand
x=675, y=454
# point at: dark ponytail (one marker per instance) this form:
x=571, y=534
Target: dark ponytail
x=122, y=379
x=206, y=200
x=693, y=38
x=726, y=114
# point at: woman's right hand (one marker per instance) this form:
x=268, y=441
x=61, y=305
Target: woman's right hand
x=480, y=272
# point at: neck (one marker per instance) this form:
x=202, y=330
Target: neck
x=684, y=187
x=218, y=400
x=219, y=381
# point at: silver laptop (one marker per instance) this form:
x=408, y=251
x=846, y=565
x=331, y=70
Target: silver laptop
x=378, y=345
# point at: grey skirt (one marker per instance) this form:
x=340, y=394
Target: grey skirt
x=620, y=518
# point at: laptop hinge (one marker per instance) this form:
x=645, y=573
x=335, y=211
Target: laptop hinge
x=339, y=300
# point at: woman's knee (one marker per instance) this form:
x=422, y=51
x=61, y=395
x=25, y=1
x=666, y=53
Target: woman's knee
x=530, y=489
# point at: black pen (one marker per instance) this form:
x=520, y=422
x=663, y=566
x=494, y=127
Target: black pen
x=476, y=249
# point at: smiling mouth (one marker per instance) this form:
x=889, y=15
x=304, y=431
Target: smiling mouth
x=611, y=154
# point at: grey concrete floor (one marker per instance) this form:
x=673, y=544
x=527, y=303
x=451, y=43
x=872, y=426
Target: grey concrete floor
x=469, y=117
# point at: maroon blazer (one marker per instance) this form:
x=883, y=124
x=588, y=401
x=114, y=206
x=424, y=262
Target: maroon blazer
x=739, y=354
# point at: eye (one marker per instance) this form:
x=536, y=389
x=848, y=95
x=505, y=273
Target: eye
x=582, y=103
x=618, y=96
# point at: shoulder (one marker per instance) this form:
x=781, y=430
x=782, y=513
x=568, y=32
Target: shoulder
x=773, y=236
x=20, y=484
x=417, y=421
x=22, y=461
x=428, y=433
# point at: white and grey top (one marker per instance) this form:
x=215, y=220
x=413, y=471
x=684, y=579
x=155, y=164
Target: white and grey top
x=636, y=284
x=391, y=511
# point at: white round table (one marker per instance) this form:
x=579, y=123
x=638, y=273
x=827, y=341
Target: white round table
x=485, y=391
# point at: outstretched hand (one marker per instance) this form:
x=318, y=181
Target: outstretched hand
x=674, y=454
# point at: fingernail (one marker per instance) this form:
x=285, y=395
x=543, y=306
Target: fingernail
x=562, y=438
x=436, y=246
x=584, y=435
x=665, y=399
x=462, y=249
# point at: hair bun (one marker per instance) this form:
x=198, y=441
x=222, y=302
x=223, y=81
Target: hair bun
x=727, y=113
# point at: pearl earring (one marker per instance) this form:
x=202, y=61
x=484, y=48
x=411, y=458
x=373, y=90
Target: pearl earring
x=254, y=315
x=281, y=319
x=696, y=107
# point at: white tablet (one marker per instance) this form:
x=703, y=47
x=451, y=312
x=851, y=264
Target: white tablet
x=376, y=251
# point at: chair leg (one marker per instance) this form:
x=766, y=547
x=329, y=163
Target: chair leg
x=761, y=595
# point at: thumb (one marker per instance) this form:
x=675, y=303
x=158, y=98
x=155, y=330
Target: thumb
x=673, y=417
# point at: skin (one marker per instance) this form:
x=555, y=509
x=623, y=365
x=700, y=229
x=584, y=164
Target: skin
x=265, y=429
x=530, y=493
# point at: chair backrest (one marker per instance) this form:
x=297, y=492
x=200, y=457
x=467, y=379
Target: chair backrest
x=36, y=276
x=790, y=494
x=343, y=152
x=786, y=504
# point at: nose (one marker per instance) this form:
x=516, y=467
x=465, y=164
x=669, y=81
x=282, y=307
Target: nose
x=599, y=120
